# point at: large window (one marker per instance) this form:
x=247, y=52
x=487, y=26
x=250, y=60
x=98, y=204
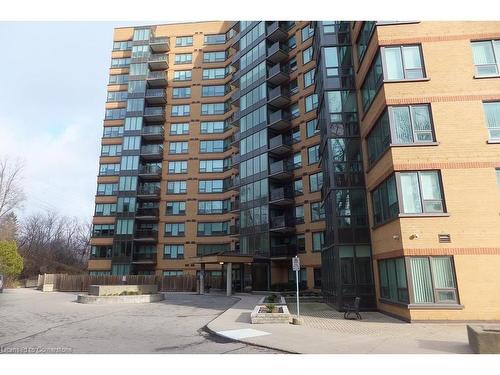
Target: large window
x=309, y=78
x=393, y=285
x=253, y=75
x=312, y=128
x=486, y=57
x=119, y=63
x=218, y=56
x=133, y=123
x=252, y=55
x=254, y=190
x=213, y=108
x=115, y=114
x=315, y=182
x=213, y=229
x=253, y=166
x=403, y=62
x=317, y=211
x=373, y=80
x=142, y=34
x=135, y=105
x=181, y=110
x=181, y=92
x=117, y=96
x=217, y=90
x=118, y=79
x=311, y=102
x=331, y=61
x=492, y=111
x=140, y=51
x=313, y=154
x=253, y=142
x=307, y=55
x=138, y=69
x=177, y=166
x=307, y=32
x=213, y=207
x=124, y=226
x=178, y=148
x=212, y=127
x=176, y=208
x=173, y=251
x=109, y=169
x=105, y=209
x=218, y=145
x=126, y=204
x=129, y=163
x=211, y=186
x=215, y=73
x=318, y=240
x=215, y=39
x=364, y=37
x=252, y=35
x=385, y=201
x=182, y=75
x=179, y=128
x=214, y=165
x=103, y=230
x=128, y=183
x=183, y=58
x=254, y=216
x=433, y=280
x=421, y=192
x=253, y=97
x=183, y=41
x=131, y=143
x=253, y=119
x=174, y=229
x=176, y=187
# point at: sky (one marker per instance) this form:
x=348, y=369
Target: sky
x=53, y=78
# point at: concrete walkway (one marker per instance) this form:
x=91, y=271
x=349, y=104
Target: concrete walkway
x=326, y=332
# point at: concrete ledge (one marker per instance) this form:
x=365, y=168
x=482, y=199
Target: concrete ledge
x=484, y=339
x=106, y=290
x=281, y=301
x=258, y=317
x=100, y=300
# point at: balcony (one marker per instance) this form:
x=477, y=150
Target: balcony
x=156, y=96
x=159, y=44
x=278, y=97
x=277, y=52
x=279, y=120
x=147, y=213
x=158, y=61
x=275, y=32
x=277, y=74
x=144, y=258
x=235, y=206
x=150, y=172
x=146, y=235
x=283, y=251
x=148, y=192
x=281, y=224
x=280, y=170
x=152, y=152
x=157, y=79
x=154, y=114
x=153, y=132
x=280, y=145
x=234, y=230
x=281, y=196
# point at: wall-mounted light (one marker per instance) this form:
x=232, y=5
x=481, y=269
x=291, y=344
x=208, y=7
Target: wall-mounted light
x=414, y=236
x=221, y=263
x=395, y=237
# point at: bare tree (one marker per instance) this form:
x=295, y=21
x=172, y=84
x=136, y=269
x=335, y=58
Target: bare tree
x=11, y=192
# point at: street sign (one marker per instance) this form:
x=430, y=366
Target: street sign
x=296, y=268
x=296, y=263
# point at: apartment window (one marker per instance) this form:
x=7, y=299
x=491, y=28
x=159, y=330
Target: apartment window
x=213, y=109
x=253, y=191
x=124, y=226
x=313, y=154
x=142, y=34
x=109, y=169
x=403, y=62
x=318, y=241
x=379, y=138
x=173, y=252
x=181, y=92
x=178, y=148
x=135, y=105
x=309, y=77
x=176, y=208
x=115, y=114
x=299, y=214
x=433, y=280
x=213, y=207
x=213, y=229
x=291, y=43
x=311, y=128
x=112, y=131
x=311, y=102
x=140, y=51
x=364, y=37
x=120, y=63
x=118, y=79
x=307, y=32
x=174, y=229
x=214, y=73
x=125, y=204
x=181, y=110
x=294, y=110
x=128, y=183
x=292, y=64
x=252, y=55
x=184, y=41
x=298, y=187
x=393, y=284
x=111, y=150
x=105, y=209
x=131, y=143
x=133, y=123
x=218, y=145
x=373, y=80
x=179, y=128
x=210, y=57
x=103, y=230
x=293, y=86
x=183, y=58
x=138, y=69
x=421, y=192
x=117, y=96
x=253, y=75
x=212, y=127
x=129, y=163
x=252, y=35
x=296, y=135
x=177, y=167
x=213, y=166
x=176, y=187
x=122, y=46
x=182, y=75
x=301, y=243
x=253, y=166
x=253, y=97
x=215, y=39
x=307, y=55
x=492, y=111
x=317, y=211
x=315, y=182
x=253, y=142
x=217, y=90
x=329, y=27
x=331, y=61
x=385, y=201
x=253, y=119
x=486, y=57
x=211, y=186
x=297, y=160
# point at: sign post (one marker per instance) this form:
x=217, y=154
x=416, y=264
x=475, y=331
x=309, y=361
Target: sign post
x=296, y=268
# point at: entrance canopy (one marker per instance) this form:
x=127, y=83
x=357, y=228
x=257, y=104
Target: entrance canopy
x=222, y=258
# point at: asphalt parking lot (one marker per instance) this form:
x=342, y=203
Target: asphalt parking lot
x=36, y=322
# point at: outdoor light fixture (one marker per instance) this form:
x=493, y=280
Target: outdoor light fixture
x=221, y=263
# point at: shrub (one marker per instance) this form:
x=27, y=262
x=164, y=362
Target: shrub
x=11, y=263
x=270, y=307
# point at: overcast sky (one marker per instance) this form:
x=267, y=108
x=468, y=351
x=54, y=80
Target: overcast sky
x=53, y=78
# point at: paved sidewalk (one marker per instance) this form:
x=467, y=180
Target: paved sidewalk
x=326, y=332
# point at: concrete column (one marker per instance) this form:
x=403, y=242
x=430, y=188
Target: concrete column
x=229, y=276
x=202, y=279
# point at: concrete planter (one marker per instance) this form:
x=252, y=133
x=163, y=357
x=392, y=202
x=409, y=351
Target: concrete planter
x=107, y=290
x=280, y=301
x=100, y=300
x=484, y=339
x=259, y=316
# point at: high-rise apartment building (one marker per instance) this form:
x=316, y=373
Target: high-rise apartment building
x=369, y=149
